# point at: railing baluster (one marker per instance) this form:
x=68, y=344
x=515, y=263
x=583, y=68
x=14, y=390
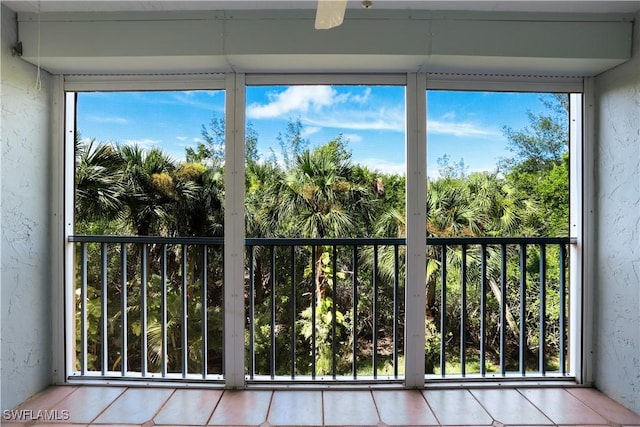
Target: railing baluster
x=313, y=311
x=396, y=314
x=83, y=309
x=484, y=246
x=354, y=368
x=104, y=315
x=375, y=312
x=483, y=309
x=334, y=293
x=185, y=313
x=204, y=327
x=143, y=309
x=252, y=313
x=123, y=308
x=503, y=308
x=463, y=314
x=543, y=309
x=523, y=310
x=293, y=312
x=563, y=366
x=443, y=310
x=272, y=285
x=163, y=304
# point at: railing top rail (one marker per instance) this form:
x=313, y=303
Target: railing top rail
x=345, y=241
x=213, y=241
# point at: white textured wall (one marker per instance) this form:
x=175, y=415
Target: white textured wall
x=24, y=226
x=617, y=231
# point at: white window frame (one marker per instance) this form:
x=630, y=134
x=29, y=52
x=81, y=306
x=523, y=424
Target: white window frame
x=580, y=91
x=66, y=90
x=416, y=85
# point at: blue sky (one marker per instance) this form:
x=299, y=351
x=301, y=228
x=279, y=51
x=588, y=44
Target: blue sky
x=464, y=125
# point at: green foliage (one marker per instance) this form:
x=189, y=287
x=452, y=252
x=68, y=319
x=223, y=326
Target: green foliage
x=320, y=193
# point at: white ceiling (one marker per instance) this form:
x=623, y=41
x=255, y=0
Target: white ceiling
x=572, y=6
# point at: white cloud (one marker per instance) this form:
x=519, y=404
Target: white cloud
x=353, y=137
x=384, y=166
x=358, y=119
x=144, y=143
x=109, y=119
x=326, y=107
x=293, y=99
x=181, y=138
x=310, y=130
x=449, y=115
x=460, y=129
x=196, y=139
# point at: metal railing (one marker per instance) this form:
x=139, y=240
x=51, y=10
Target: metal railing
x=320, y=309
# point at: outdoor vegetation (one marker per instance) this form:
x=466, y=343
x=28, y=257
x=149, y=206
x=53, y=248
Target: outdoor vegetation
x=301, y=303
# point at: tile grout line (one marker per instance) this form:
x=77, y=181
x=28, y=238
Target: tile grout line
x=482, y=406
x=215, y=407
x=266, y=417
x=108, y=406
x=153, y=418
x=375, y=405
x=589, y=406
x=424, y=397
x=322, y=405
x=535, y=406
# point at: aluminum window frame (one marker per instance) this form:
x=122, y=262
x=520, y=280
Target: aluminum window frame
x=417, y=85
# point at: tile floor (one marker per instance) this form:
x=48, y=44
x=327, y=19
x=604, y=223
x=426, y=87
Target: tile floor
x=128, y=406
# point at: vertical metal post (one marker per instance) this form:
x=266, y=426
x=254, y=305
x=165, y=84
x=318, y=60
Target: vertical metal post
x=563, y=307
x=543, y=309
x=396, y=308
x=185, y=313
x=252, y=313
x=354, y=368
x=234, y=232
x=204, y=318
x=503, y=308
x=64, y=356
x=443, y=309
x=334, y=293
x=272, y=286
x=83, y=308
x=313, y=312
x=463, y=314
x=375, y=312
x=293, y=312
x=163, y=296
x=483, y=309
x=123, y=309
x=523, y=310
x=143, y=309
x=415, y=290
x=104, y=315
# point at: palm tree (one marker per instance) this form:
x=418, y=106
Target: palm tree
x=150, y=188
x=99, y=186
x=319, y=199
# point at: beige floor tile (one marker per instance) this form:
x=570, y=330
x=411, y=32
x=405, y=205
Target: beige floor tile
x=189, y=407
x=403, y=407
x=562, y=407
x=135, y=406
x=605, y=406
x=86, y=403
x=242, y=408
x=296, y=408
x=457, y=407
x=349, y=408
x=510, y=407
x=47, y=398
